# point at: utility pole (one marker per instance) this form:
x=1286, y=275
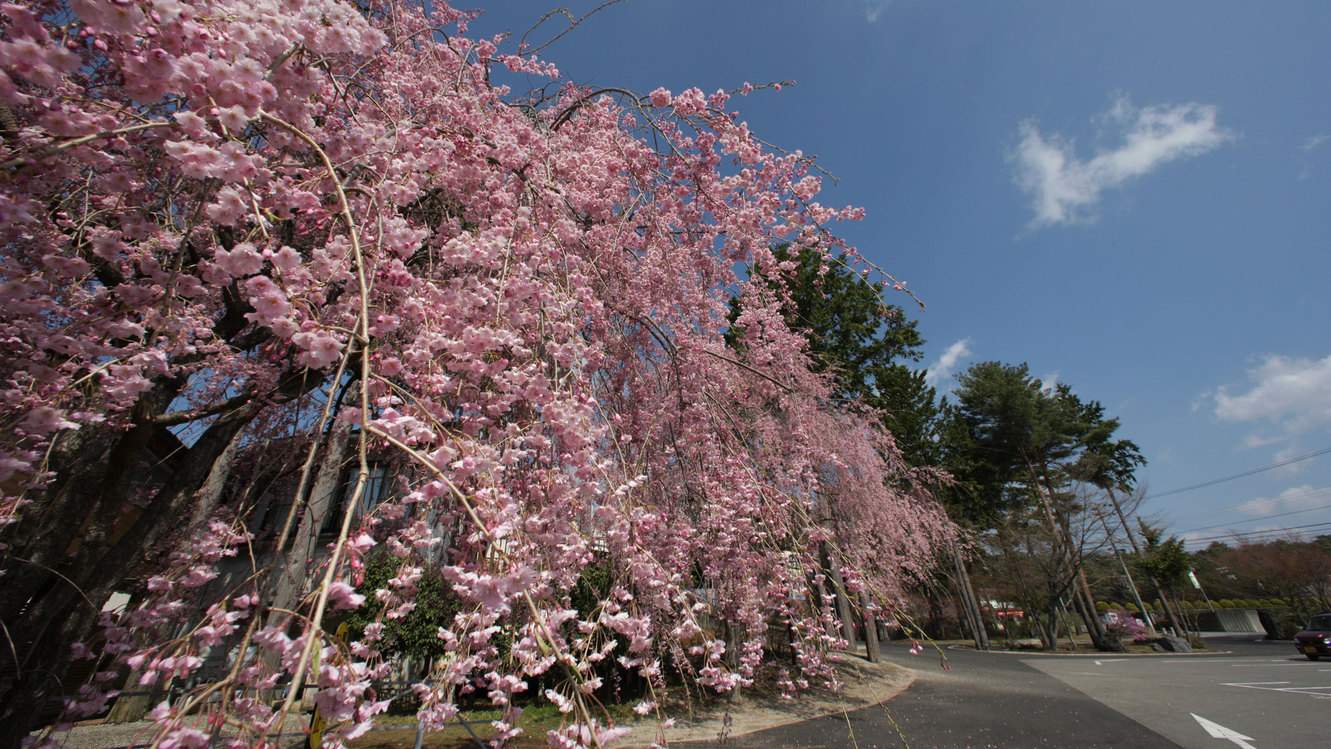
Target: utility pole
x=1150, y=624
x=1164, y=600
x=1067, y=624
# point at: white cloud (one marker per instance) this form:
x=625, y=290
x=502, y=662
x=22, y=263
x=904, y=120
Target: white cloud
x=874, y=8
x=942, y=369
x=1065, y=189
x=1291, y=395
x=1050, y=381
x=1308, y=146
x=1293, y=500
x=1289, y=452
x=1315, y=141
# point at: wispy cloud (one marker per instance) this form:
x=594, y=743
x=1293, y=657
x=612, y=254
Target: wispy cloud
x=1065, y=189
x=1050, y=381
x=1308, y=146
x=874, y=8
x=942, y=369
x=1292, y=501
x=1315, y=141
x=1287, y=394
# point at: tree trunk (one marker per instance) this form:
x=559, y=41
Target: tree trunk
x=289, y=572
x=1101, y=638
x=1067, y=624
x=821, y=593
x=842, y=600
x=1048, y=628
x=77, y=543
x=1171, y=611
x=128, y=709
x=871, y=648
x=734, y=639
x=969, y=601
x=114, y=509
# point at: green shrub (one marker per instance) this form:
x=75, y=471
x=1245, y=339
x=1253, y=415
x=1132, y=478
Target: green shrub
x=415, y=634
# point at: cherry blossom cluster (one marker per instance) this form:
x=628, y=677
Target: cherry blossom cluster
x=212, y=207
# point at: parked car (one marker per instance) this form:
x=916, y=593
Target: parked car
x=1315, y=640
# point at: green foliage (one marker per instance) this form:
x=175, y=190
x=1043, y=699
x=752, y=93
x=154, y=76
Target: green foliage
x=416, y=633
x=592, y=588
x=1009, y=437
x=1324, y=542
x=851, y=331
x=1163, y=558
x=865, y=343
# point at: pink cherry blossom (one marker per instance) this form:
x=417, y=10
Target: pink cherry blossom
x=242, y=233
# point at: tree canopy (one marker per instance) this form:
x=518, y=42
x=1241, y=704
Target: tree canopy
x=1011, y=437
x=866, y=345
x=227, y=225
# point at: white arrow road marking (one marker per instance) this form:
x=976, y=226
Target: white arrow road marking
x=1218, y=731
x=1109, y=660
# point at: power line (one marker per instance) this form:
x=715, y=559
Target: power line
x=1252, y=504
x=1213, y=482
x=1265, y=532
x=1255, y=520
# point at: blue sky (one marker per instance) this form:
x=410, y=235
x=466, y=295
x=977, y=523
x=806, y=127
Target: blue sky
x=1130, y=198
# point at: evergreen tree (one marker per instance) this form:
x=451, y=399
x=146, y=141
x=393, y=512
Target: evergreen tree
x=867, y=344
x=1023, y=454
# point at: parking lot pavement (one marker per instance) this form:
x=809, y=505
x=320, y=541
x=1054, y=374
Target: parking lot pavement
x=1265, y=696
x=977, y=700
x=1245, y=693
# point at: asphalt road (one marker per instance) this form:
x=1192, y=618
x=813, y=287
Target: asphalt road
x=1261, y=695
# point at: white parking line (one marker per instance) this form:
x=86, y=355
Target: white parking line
x=1207, y=658
x=1284, y=662
x=1270, y=686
